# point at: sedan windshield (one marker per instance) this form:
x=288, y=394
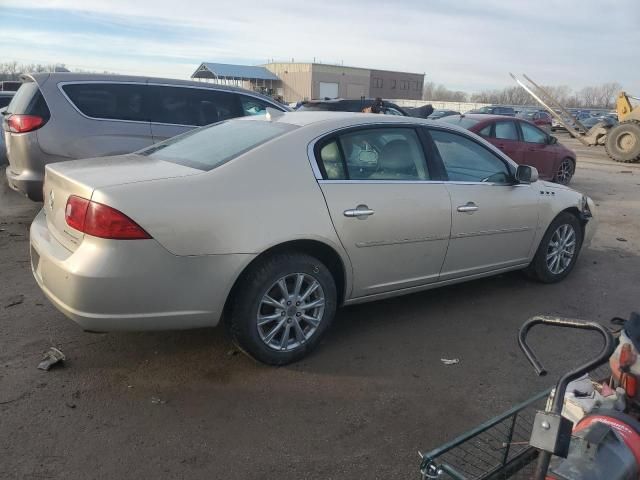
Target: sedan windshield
x=208, y=147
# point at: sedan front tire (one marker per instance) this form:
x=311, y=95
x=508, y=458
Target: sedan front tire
x=558, y=251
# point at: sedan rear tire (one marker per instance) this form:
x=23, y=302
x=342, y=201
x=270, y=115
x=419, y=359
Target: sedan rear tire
x=282, y=306
x=558, y=251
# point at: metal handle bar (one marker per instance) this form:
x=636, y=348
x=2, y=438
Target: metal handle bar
x=603, y=356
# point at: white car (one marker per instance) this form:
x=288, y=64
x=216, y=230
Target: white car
x=273, y=221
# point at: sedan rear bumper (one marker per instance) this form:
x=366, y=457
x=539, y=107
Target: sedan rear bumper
x=109, y=285
x=28, y=183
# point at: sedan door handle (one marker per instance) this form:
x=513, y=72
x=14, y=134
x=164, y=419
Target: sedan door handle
x=470, y=207
x=360, y=212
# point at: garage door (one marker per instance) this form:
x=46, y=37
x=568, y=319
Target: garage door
x=355, y=91
x=328, y=90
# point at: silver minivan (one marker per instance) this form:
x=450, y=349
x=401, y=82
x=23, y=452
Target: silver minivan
x=56, y=117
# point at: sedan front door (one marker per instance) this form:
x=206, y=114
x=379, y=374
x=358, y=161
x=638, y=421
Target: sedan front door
x=494, y=220
x=392, y=220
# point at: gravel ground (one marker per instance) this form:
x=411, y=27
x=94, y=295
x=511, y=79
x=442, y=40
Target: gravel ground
x=185, y=405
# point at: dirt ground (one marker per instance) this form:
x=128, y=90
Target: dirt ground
x=184, y=405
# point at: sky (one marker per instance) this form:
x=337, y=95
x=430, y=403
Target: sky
x=467, y=45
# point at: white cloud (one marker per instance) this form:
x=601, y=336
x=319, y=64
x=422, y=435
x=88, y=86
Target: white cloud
x=466, y=46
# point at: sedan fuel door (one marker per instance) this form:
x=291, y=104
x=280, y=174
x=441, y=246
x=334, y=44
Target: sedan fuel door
x=392, y=220
x=494, y=219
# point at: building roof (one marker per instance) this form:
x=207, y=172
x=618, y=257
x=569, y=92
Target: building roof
x=225, y=70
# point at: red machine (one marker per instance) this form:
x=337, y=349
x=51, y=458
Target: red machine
x=605, y=442
x=589, y=430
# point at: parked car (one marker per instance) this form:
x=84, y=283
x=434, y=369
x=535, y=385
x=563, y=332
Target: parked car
x=9, y=85
x=56, y=117
x=495, y=110
x=442, y=113
x=524, y=143
x=593, y=121
x=346, y=105
x=274, y=221
x=556, y=125
x=3, y=149
x=5, y=99
x=541, y=119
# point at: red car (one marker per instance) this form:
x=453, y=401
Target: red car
x=541, y=119
x=524, y=142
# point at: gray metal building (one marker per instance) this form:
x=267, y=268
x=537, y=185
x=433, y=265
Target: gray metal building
x=294, y=82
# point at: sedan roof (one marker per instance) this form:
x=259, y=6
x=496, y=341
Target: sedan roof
x=304, y=118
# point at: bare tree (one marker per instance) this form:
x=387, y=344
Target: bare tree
x=440, y=93
x=13, y=70
x=599, y=96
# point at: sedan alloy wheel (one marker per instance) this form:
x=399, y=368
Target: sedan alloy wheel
x=290, y=311
x=565, y=172
x=561, y=249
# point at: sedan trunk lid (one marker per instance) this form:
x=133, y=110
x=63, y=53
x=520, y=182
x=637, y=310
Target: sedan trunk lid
x=82, y=177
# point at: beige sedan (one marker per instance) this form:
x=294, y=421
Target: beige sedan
x=272, y=222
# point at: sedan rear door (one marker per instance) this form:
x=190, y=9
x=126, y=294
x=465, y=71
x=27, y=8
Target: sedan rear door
x=504, y=135
x=392, y=220
x=537, y=150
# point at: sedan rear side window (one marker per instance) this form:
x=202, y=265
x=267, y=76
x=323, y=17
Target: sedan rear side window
x=109, y=101
x=375, y=154
x=466, y=161
x=506, y=131
x=208, y=147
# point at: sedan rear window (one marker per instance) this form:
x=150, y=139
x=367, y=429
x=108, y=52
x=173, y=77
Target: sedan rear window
x=460, y=120
x=208, y=147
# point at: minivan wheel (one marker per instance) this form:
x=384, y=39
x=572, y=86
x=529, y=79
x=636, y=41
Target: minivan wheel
x=282, y=306
x=558, y=251
x=565, y=172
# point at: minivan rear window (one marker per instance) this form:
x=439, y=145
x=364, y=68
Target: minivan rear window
x=28, y=100
x=208, y=147
x=191, y=106
x=113, y=101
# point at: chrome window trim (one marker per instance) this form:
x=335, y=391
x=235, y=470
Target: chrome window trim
x=463, y=132
x=155, y=84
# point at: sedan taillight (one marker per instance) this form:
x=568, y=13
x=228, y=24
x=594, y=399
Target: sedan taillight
x=100, y=220
x=24, y=123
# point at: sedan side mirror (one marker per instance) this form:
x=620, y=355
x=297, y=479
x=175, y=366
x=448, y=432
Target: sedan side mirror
x=552, y=140
x=526, y=174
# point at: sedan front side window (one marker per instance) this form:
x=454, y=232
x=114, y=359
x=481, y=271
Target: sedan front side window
x=466, y=161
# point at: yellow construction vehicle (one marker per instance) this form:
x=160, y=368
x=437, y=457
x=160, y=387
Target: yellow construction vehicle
x=621, y=141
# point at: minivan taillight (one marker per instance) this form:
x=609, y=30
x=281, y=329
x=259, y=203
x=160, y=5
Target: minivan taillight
x=24, y=123
x=100, y=220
